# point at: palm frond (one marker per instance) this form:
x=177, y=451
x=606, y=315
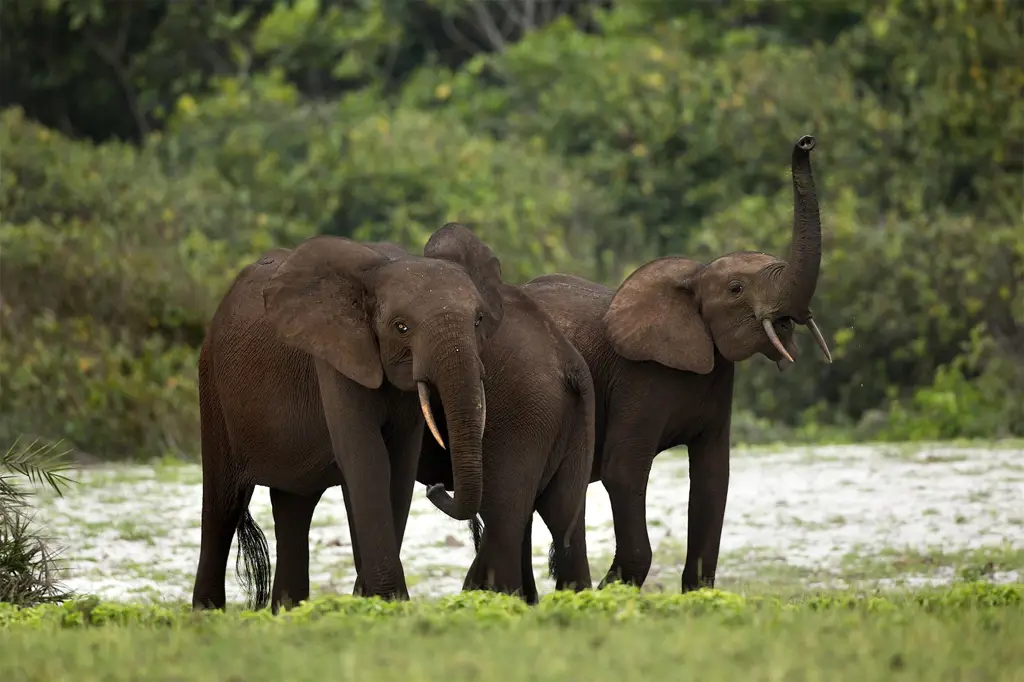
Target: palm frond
x=42, y=464
x=29, y=568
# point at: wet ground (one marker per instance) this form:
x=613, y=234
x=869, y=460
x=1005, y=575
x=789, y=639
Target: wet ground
x=797, y=518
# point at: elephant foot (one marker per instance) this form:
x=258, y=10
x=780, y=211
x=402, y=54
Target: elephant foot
x=618, y=575
x=692, y=583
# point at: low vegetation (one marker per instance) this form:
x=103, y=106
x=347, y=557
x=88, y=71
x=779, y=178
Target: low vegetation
x=965, y=632
x=29, y=565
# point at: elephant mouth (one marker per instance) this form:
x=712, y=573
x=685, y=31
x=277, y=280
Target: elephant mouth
x=785, y=326
x=423, y=390
x=780, y=333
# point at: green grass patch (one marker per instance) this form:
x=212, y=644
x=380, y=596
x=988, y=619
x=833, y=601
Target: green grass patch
x=968, y=631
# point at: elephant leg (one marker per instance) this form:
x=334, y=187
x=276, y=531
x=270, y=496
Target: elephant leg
x=626, y=470
x=225, y=499
x=562, y=506
x=498, y=565
x=530, y=593
x=709, y=489
x=358, y=589
x=223, y=506
x=292, y=516
x=404, y=451
x=362, y=456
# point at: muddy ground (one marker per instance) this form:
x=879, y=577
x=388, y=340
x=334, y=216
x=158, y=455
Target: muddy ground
x=797, y=519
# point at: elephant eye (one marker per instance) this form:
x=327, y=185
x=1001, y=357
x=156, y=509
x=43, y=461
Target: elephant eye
x=402, y=327
x=735, y=287
x=479, y=319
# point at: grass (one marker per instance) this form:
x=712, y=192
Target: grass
x=970, y=631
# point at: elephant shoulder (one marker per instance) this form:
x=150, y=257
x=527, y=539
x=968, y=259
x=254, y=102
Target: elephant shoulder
x=563, y=286
x=571, y=301
x=536, y=336
x=240, y=312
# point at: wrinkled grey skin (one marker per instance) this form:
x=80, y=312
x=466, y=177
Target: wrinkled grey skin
x=662, y=350
x=309, y=378
x=538, y=442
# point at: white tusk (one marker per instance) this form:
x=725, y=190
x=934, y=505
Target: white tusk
x=820, y=339
x=774, y=338
x=424, y=391
x=483, y=407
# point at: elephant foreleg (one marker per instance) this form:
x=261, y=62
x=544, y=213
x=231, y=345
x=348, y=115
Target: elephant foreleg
x=292, y=517
x=709, y=488
x=365, y=466
x=404, y=451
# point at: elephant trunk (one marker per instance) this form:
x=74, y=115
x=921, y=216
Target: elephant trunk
x=458, y=380
x=805, y=247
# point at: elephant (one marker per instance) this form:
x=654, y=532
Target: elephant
x=662, y=349
x=310, y=376
x=538, y=442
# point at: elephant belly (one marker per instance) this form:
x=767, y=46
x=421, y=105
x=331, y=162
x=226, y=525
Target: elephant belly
x=290, y=452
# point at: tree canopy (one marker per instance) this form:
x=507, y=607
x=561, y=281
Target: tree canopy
x=150, y=149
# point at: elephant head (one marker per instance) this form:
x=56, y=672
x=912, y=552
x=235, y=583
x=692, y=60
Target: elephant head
x=374, y=311
x=676, y=311
x=457, y=244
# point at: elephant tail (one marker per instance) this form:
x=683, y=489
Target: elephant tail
x=476, y=526
x=580, y=453
x=253, y=563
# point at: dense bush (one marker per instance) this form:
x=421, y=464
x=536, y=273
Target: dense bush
x=587, y=140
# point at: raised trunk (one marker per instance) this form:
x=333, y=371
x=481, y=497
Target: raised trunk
x=458, y=382
x=805, y=246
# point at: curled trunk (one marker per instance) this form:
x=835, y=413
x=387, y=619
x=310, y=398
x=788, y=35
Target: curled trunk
x=462, y=396
x=805, y=246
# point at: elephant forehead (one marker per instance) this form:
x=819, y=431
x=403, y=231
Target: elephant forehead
x=747, y=263
x=422, y=283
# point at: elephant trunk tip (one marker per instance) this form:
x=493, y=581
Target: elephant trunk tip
x=806, y=143
x=444, y=501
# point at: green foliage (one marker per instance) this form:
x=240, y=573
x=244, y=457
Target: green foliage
x=360, y=169
x=586, y=139
x=29, y=570
x=616, y=603
x=108, y=281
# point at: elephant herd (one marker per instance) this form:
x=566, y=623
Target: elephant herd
x=364, y=366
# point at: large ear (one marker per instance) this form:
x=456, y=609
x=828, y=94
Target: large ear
x=458, y=244
x=654, y=316
x=317, y=302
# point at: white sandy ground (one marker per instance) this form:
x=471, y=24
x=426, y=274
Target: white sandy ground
x=133, y=532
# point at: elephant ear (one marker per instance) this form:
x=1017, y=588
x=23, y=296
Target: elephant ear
x=458, y=244
x=654, y=316
x=317, y=302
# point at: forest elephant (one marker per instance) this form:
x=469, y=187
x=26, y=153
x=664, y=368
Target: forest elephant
x=661, y=350
x=309, y=377
x=538, y=440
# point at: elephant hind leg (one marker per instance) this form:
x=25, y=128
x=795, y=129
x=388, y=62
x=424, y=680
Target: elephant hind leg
x=226, y=499
x=225, y=504
x=292, y=517
x=530, y=593
x=562, y=506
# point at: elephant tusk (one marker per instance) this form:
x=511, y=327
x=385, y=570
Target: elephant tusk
x=483, y=408
x=774, y=338
x=820, y=339
x=424, y=391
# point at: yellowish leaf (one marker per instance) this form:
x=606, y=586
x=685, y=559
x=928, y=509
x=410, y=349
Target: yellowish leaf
x=443, y=91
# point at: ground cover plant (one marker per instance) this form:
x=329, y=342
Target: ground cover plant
x=966, y=631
